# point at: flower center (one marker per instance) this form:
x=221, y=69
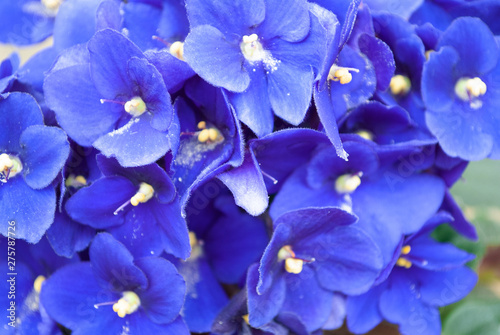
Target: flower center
x=9, y=167
x=348, y=183
x=252, y=49
x=76, y=182
x=208, y=135
x=470, y=89
x=128, y=304
x=145, y=193
x=37, y=285
x=402, y=261
x=177, y=50
x=400, y=85
x=341, y=74
x=52, y=5
x=292, y=264
x=135, y=107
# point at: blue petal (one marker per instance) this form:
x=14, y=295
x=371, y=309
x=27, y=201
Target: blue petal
x=285, y=19
x=404, y=8
x=247, y=185
x=205, y=297
x=45, y=150
x=109, y=65
x=173, y=70
x=108, y=15
x=262, y=308
x=164, y=296
x=31, y=210
x=71, y=90
x=140, y=324
x=381, y=57
x=113, y=265
x=228, y=16
x=19, y=111
x=216, y=60
x=141, y=21
x=136, y=143
x=84, y=208
x=362, y=311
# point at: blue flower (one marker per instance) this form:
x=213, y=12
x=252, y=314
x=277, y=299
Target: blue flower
x=264, y=53
x=312, y=253
x=461, y=91
x=31, y=157
x=119, y=104
x=139, y=206
x=115, y=293
x=423, y=276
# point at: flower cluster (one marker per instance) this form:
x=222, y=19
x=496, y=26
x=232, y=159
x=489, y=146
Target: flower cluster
x=242, y=167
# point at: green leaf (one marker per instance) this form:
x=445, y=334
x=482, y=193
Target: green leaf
x=474, y=317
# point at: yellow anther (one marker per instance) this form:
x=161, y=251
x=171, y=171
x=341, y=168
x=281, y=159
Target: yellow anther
x=403, y=262
x=145, y=193
x=52, y=5
x=203, y=136
x=428, y=54
x=405, y=250
x=250, y=39
x=81, y=179
x=37, y=285
x=135, y=107
x=77, y=181
x=177, y=49
x=245, y=317
x=252, y=49
x=212, y=134
x=476, y=87
x=193, y=241
x=285, y=252
x=128, y=304
x=400, y=85
x=294, y=265
x=10, y=164
x=348, y=183
x=341, y=74
x=365, y=134
x=202, y=125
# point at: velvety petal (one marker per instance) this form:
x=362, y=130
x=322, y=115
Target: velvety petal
x=233, y=243
x=474, y=43
x=134, y=144
x=328, y=120
x=262, y=308
x=362, y=310
x=45, y=150
x=19, y=111
x=205, y=297
x=290, y=92
x=381, y=57
x=152, y=91
x=164, y=296
x=173, y=70
x=67, y=236
x=113, y=265
x=349, y=262
x=141, y=21
x=108, y=15
x=306, y=298
x=228, y=16
x=109, y=65
x=69, y=296
x=214, y=59
x=247, y=185
x=252, y=106
x=70, y=91
x=84, y=208
x=31, y=210
x=142, y=325
x=288, y=20
x=461, y=224
x=446, y=287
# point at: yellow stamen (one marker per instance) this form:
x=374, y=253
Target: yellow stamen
x=128, y=304
x=37, y=285
x=145, y=193
x=403, y=262
x=136, y=106
x=52, y=5
x=341, y=74
x=202, y=125
x=400, y=85
x=193, y=241
x=405, y=250
x=348, y=183
x=365, y=134
x=9, y=163
x=252, y=49
x=203, y=136
x=77, y=181
x=245, y=317
x=294, y=265
x=209, y=135
x=428, y=54
x=177, y=49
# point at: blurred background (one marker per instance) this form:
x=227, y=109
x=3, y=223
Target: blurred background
x=478, y=193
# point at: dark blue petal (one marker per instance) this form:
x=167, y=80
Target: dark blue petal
x=136, y=143
x=112, y=192
x=173, y=70
x=139, y=324
x=45, y=150
x=19, y=111
x=113, y=265
x=215, y=59
x=31, y=210
x=109, y=65
x=288, y=20
x=381, y=57
x=164, y=296
x=141, y=23
x=70, y=91
x=362, y=310
x=262, y=308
